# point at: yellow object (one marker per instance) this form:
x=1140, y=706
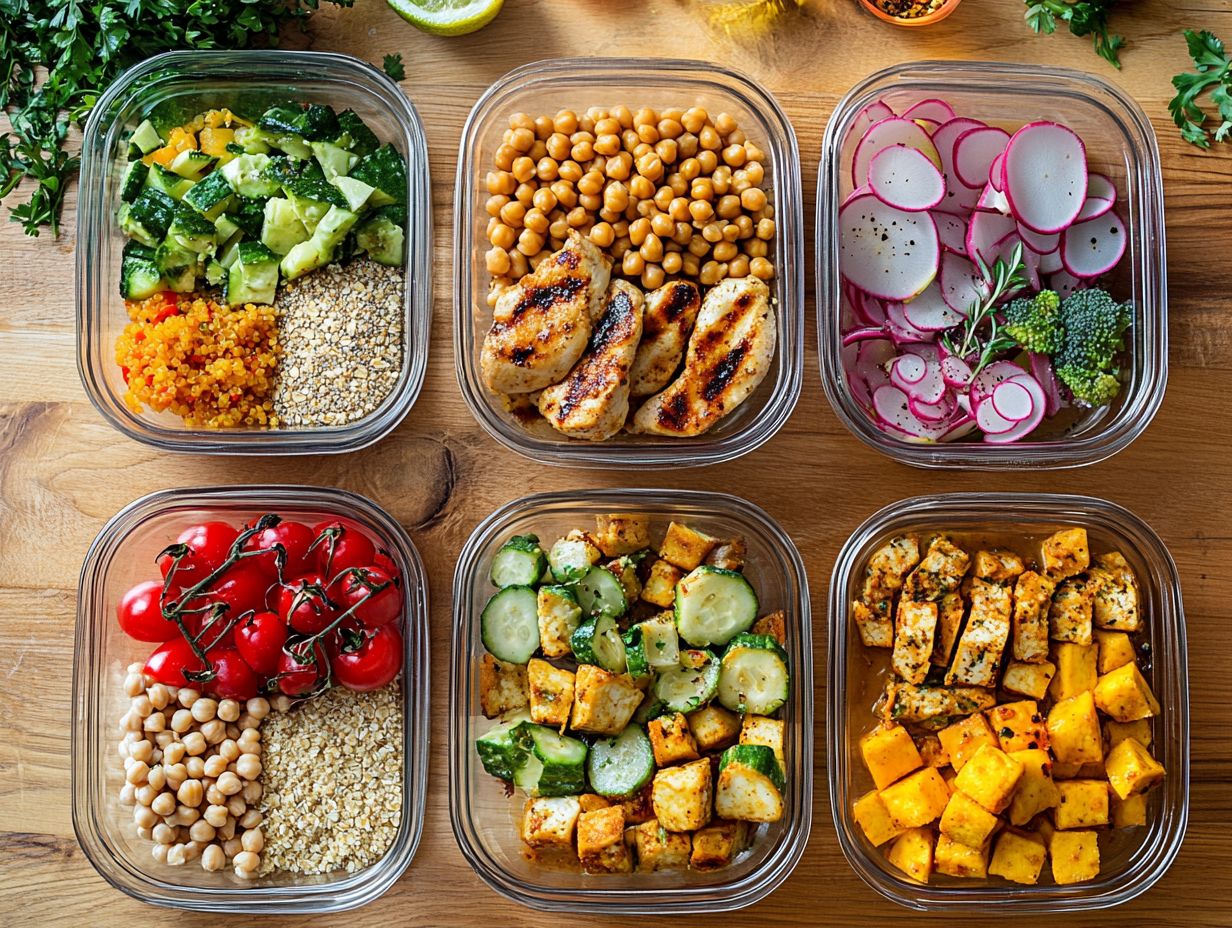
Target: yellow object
x=1076, y=669
x=1017, y=859
x=660, y=587
x=990, y=778
x=1115, y=650
x=874, y=819
x=889, y=753
x=1084, y=804
x=714, y=727
x=954, y=859
x=671, y=740
x=1028, y=679
x=1075, y=856
x=1125, y=695
x=962, y=739
x=1073, y=731
x=918, y=799
x=1117, y=732
x=966, y=821
x=1132, y=769
x=1066, y=553
x=447, y=17
x=912, y=853
x=716, y=845
x=1129, y=812
x=214, y=141
x=1036, y=790
x=684, y=547
x=1019, y=726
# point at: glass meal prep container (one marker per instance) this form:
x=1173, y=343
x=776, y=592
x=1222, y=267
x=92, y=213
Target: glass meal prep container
x=1132, y=861
x=189, y=82
x=485, y=818
x=1119, y=143
x=124, y=554
x=579, y=83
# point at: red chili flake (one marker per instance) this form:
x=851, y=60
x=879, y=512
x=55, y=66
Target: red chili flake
x=124, y=371
x=167, y=313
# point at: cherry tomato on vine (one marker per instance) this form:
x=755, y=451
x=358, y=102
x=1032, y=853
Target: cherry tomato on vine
x=297, y=671
x=385, y=562
x=374, y=663
x=233, y=678
x=169, y=662
x=243, y=588
x=259, y=639
x=302, y=607
x=208, y=544
x=374, y=609
x=350, y=547
x=140, y=613
x=295, y=538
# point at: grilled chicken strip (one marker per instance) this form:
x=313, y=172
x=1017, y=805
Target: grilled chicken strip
x=592, y=403
x=666, y=322
x=730, y=352
x=541, y=325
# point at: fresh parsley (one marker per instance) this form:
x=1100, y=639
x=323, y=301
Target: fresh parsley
x=57, y=56
x=1085, y=17
x=393, y=66
x=1214, y=73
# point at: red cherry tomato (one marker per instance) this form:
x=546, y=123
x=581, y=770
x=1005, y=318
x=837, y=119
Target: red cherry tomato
x=302, y=608
x=259, y=639
x=243, y=588
x=374, y=609
x=233, y=678
x=208, y=546
x=297, y=671
x=295, y=538
x=169, y=662
x=374, y=663
x=386, y=563
x=349, y=547
x=141, y=616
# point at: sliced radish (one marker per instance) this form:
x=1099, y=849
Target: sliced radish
x=952, y=231
x=960, y=429
x=962, y=285
x=984, y=232
x=929, y=312
x=928, y=125
x=1051, y=262
x=1005, y=247
x=1041, y=370
x=990, y=421
x=892, y=131
x=1094, y=247
x=1040, y=244
x=1093, y=208
x=955, y=372
x=868, y=309
x=986, y=380
x=1045, y=176
x=1065, y=283
x=1012, y=400
x=901, y=327
x=975, y=151
x=930, y=389
x=1023, y=427
x=906, y=179
x=937, y=110
x=929, y=351
x=873, y=113
x=871, y=360
x=864, y=334
x=862, y=190
x=860, y=391
x=992, y=201
x=1100, y=187
x=887, y=252
x=893, y=409
x=959, y=199
x=932, y=413
x=996, y=173
x=907, y=370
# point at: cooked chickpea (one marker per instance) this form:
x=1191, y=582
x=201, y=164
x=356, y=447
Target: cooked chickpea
x=173, y=753
x=590, y=202
x=582, y=151
x=711, y=273
x=616, y=197
x=601, y=234
x=698, y=246
x=142, y=750
x=731, y=232
x=724, y=124
x=136, y=772
x=632, y=264
x=638, y=231
x=134, y=685
x=708, y=161
x=213, y=859
x=525, y=194
x=566, y=196
x=734, y=155
x=216, y=815
x=661, y=225
x=702, y=189
x=687, y=146
x=248, y=766
x=252, y=818
x=652, y=277
x=761, y=268
x=201, y=830
x=728, y=207
x=252, y=791
x=253, y=840
x=216, y=765
x=641, y=188
x=753, y=199
x=694, y=119
x=177, y=855
x=237, y=806
x=700, y=210
x=194, y=743
x=652, y=249
x=684, y=233
x=709, y=139
x=546, y=169
x=500, y=183
x=186, y=815
x=154, y=723
x=214, y=731
x=725, y=251
x=175, y=774
x=182, y=720
x=648, y=134
x=227, y=830
x=163, y=804
x=504, y=157
x=246, y=863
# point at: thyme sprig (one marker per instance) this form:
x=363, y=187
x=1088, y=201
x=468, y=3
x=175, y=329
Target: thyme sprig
x=980, y=334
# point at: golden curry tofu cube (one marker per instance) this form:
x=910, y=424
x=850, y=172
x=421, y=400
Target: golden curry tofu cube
x=660, y=588
x=683, y=796
x=962, y=739
x=1131, y=769
x=1028, y=679
x=977, y=658
x=917, y=799
x=603, y=702
x=955, y=859
x=939, y=572
x=874, y=623
x=914, y=626
x=998, y=565
x=551, y=693
x=502, y=686
x=1065, y=553
x=966, y=821
x=1125, y=695
x=1036, y=790
x=1129, y=812
x=622, y=533
x=910, y=702
x=889, y=753
x=559, y=616
x=639, y=807
x=1083, y=804
x=714, y=727
x=1075, y=856
x=1076, y=669
x=1073, y=730
x=1116, y=649
x=1017, y=858
x=990, y=777
x=1019, y=726
x=773, y=624
x=601, y=841
x=1069, y=616
x=1116, y=732
x=950, y=612
x=888, y=566
x=760, y=729
x=717, y=845
x=874, y=819
x=1032, y=598
x=591, y=801
x=671, y=740
x=660, y=849
x=550, y=821
x=684, y=547
x=1116, y=593
x=912, y=853
x=931, y=750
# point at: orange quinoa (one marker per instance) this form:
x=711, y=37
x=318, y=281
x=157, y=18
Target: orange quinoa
x=212, y=365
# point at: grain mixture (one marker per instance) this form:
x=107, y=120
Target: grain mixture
x=342, y=335
x=332, y=781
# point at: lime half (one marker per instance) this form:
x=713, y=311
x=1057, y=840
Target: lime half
x=447, y=17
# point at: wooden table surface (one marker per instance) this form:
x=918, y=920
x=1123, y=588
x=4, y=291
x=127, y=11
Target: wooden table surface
x=63, y=471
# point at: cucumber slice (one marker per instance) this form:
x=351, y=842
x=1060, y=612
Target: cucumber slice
x=556, y=763
x=571, y=557
x=519, y=562
x=601, y=593
x=635, y=653
x=620, y=766
x=651, y=708
x=661, y=642
x=134, y=179
x=754, y=676
x=192, y=164
x=509, y=625
x=684, y=689
x=500, y=753
x=598, y=641
x=714, y=605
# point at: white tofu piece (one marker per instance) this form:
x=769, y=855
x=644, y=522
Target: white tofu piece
x=559, y=617
x=551, y=693
x=909, y=702
x=683, y=796
x=502, y=686
x=977, y=658
x=1116, y=593
x=1070, y=615
x=761, y=729
x=550, y=821
x=603, y=702
x=914, y=628
x=950, y=612
x=1032, y=599
x=1028, y=679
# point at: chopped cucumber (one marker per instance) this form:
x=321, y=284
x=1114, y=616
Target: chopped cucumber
x=280, y=119
x=519, y=562
x=355, y=192
x=317, y=121
x=600, y=593
x=281, y=230
x=249, y=141
x=509, y=624
x=572, y=556
x=660, y=641
x=224, y=228
x=140, y=277
x=684, y=689
x=635, y=653
x=359, y=137
x=301, y=259
x=148, y=217
x=331, y=230
x=168, y=182
x=248, y=176
x=215, y=273
x=309, y=211
x=145, y=138
x=754, y=676
x=192, y=164
x=211, y=197
x=249, y=215
x=253, y=278
x=382, y=239
x=555, y=765
x=620, y=766
x=713, y=605
x=230, y=251
x=334, y=161
x=597, y=641
x=385, y=170
x=134, y=179
x=499, y=751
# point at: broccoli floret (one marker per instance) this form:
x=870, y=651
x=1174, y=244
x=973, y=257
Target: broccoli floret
x=1094, y=327
x=1092, y=388
x=1035, y=323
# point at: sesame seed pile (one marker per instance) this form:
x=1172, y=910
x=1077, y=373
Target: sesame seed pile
x=341, y=329
x=332, y=780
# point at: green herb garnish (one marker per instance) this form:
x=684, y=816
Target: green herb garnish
x=981, y=333
x=393, y=66
x=1085, y=17
x=1213, y=68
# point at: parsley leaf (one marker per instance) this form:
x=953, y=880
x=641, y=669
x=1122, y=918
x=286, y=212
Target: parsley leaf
x=393, y=66
x=1214, y=73
x=1085, y=17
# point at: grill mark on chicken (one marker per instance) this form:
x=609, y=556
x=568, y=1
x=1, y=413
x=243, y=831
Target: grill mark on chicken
x=615, y=325
x=680, y=300
x=725, y=370
x=675, y=413
x=541, y=298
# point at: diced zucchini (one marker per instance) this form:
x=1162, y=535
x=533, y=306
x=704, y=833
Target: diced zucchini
x=281, y=119
x=139, y=275
x=334, y=161
x=250, y=140
x=499, y=751
x=360, y=139
x=192, y=164
x=148, y=217
x=714, y=605
x=599, y=592
x=356, y=192
x=301, y=259
x=572, y=556
x=172, y=258
x=750, y=786
x=134, y=179
x=635, y=653
x=331, y=230
x=555, y=763
x=661, y=642
x=145, y=139
x=519, y=562
x=597, y=641
x=215, y=273
x=184, y=282
x=249, y=215
x=685, y=689
x=212, y=196
x=309, y=211
x=253, y=278
x=230, y=251
x=168, y=182
x=248, y=176
x=754, y=675
x=509, y=624
x=317, y=121
x=620, y=766
x=224, y=228
x=192, y=231
x=385, y=170
x=382, y=240
x=281, y=230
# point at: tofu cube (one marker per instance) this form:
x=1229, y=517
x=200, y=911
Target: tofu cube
x=603, y=702
x=591, y=801
x=977, y=657
x=1131, y=769
x=889, y=753
x=912, y=853
x=683, y=796
x=729, y=555
x=1019, y=726
x=716, y=845
x=551, y=693
x=1075, y=856
x=914, y=626
x=622, y=533
x=660, y=587
x=1032, y=598
x=1116, y=732
x=990, y=777
x=966, y=821
x=1076, y=670
x=601, y=841
x=1028, y=679
x=671, y=739
x=1115, y=650
x=1125, y=695
x=773, y=624
x=874, y=819
x=502, y=686
x=1129, y=812
x=998, y=565
x=684, y=547
x=908, y=702
x=962, y=739
x=660, y=849
x=954, y=859
x=1065, y=553
x=1069, y=616
x=1116, y=593
x=1073, y=730
x=1017, y=858
x=639, y=807
x=559, y=617
x=550, y=821
x=1036, y=790
x=874, y=623
x=917, y=799
x=1084, y=804
x=888, y=566
x=714, y=727
x=759, y=729
x=939, y=572
x=931, y=750
x=950, y=612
